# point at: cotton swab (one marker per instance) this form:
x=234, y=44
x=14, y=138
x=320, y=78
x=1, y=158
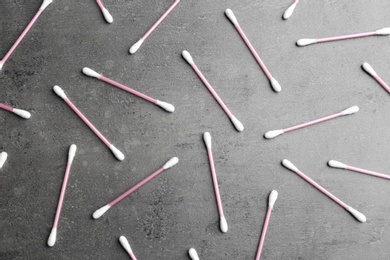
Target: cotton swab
x=118, y=154
x=127, y=247
x=287, y=14
x=367, y=67
x=98, y=213
x=25, y=31
x=19, y=112
x=138, y=44
x=223, y=224
x=271, y=202
x=237, y=124
x=3, y=158
x=275, y=133
x=336, y=164
x=381, y=32
x=168, y=107
x=359, y=216
x=193, y=254
x=274, y=83
x=105, y=12
x=53, y=234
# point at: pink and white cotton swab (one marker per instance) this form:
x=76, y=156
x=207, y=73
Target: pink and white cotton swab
x=222, y=220
x=336, y=164
x=125, y=244
x=367, y=67
x=166, y=106
x=381, y=32
x=237, y=124
x=138, y=44
x=3, y=158
x=98, y=213
x=274, y=83
x=16, y=111
x=193, y=254
x=53, y=234
x=25, y=31
x=105, y=12
x=359, y=216
x=118, y=154
x=287, y=14
x=275, y=133
x=271, y=202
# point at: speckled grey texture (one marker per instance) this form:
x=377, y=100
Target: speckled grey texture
x=177, y=209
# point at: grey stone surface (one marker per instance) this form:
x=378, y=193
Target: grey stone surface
x=177, y=210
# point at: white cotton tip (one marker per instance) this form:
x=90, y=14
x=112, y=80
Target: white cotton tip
x=3, y=158
x=336, y=164
x=168, y=107
x=286, y=163
x=187, y=56
x=172, y=162
x=223, y=225
x=207, y=139
x=91, y=73
x=107, y=16
x=136, y=46
x=304, y=42
x=229, y=13
x=52, y=238
x=273, y=133
x=193, y=254
x=237, y=124
x=21, y=113
x=59, y=92
x=367, y=67
x=383, y=31
x=273, y=196
x=275, y=85
x=359, y=216
x=287, y=14
x=118, y=154
x=125, y=244
x=350, y=111
x=72, y=153
x=98, y=213
x=1, y=65
x=45, y=4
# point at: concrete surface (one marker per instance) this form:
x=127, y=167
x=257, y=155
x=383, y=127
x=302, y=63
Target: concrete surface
x=177, y=210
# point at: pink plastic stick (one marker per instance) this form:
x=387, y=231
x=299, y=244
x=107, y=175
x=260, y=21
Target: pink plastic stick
x=215, y=183
x=382, y=83
x=263, y=233
x=100, y=4
x=311, y=122
x=5, y=107
x=350, y=36
x=62, y=195
x=376, y=174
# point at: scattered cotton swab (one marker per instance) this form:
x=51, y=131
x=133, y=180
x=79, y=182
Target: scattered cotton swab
x=271, y=202
x=166, y=106
x=127, y=247
x=275, y=133
x=53, y=234
x=193, y=254
x=138, y=44
x=98, y=213
x=287, y=14
x=367, y=67
x=237, y=124
x=274, y=83
x=25, y=31
x=118, y=154
x=3, y=158
x=381, y=32
x=359, y=216
x=336, y=164
x=105, y=12
x=19, y=112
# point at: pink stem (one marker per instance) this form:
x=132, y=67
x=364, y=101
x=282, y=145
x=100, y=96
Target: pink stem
x=62, y=195
x=215, y=183
x=263, y=232
x=377, y=174
x=89, y=124
x=5, y=107
x=136, y=187
x=296, y=1
x=132, y=91
x=132, y=256
x=254, y=53
x=311, y=122
x=351, y=36
x=383, y=84
x=99, y=2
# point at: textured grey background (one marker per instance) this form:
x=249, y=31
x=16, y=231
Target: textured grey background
x=177, y=210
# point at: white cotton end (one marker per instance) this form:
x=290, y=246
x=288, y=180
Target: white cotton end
x=286, y=163
x=237, y=124
x=304, y=42
x=118, y=154
x=287, y=14
x=359, y=216
x=223, y=225
x=1, y=65
x=98, y=213
x=21, y=113
x=273, y=196
x=45, y=4
x=107, y=16
x=136, y=46
x=125, y=244
x=229, y=13
x=59, y=92
x=383, y=31
x=52, y=238
x=275, y=85
x=350, y=111
x=172, y=162
x=207, y=139
x=3, y=158
x=187, y=56
x=336, y=164
x=72, y=153
x=91, y=73
x=367, y=67
x=166, y=106
x=193, y=254
x=273, y=134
